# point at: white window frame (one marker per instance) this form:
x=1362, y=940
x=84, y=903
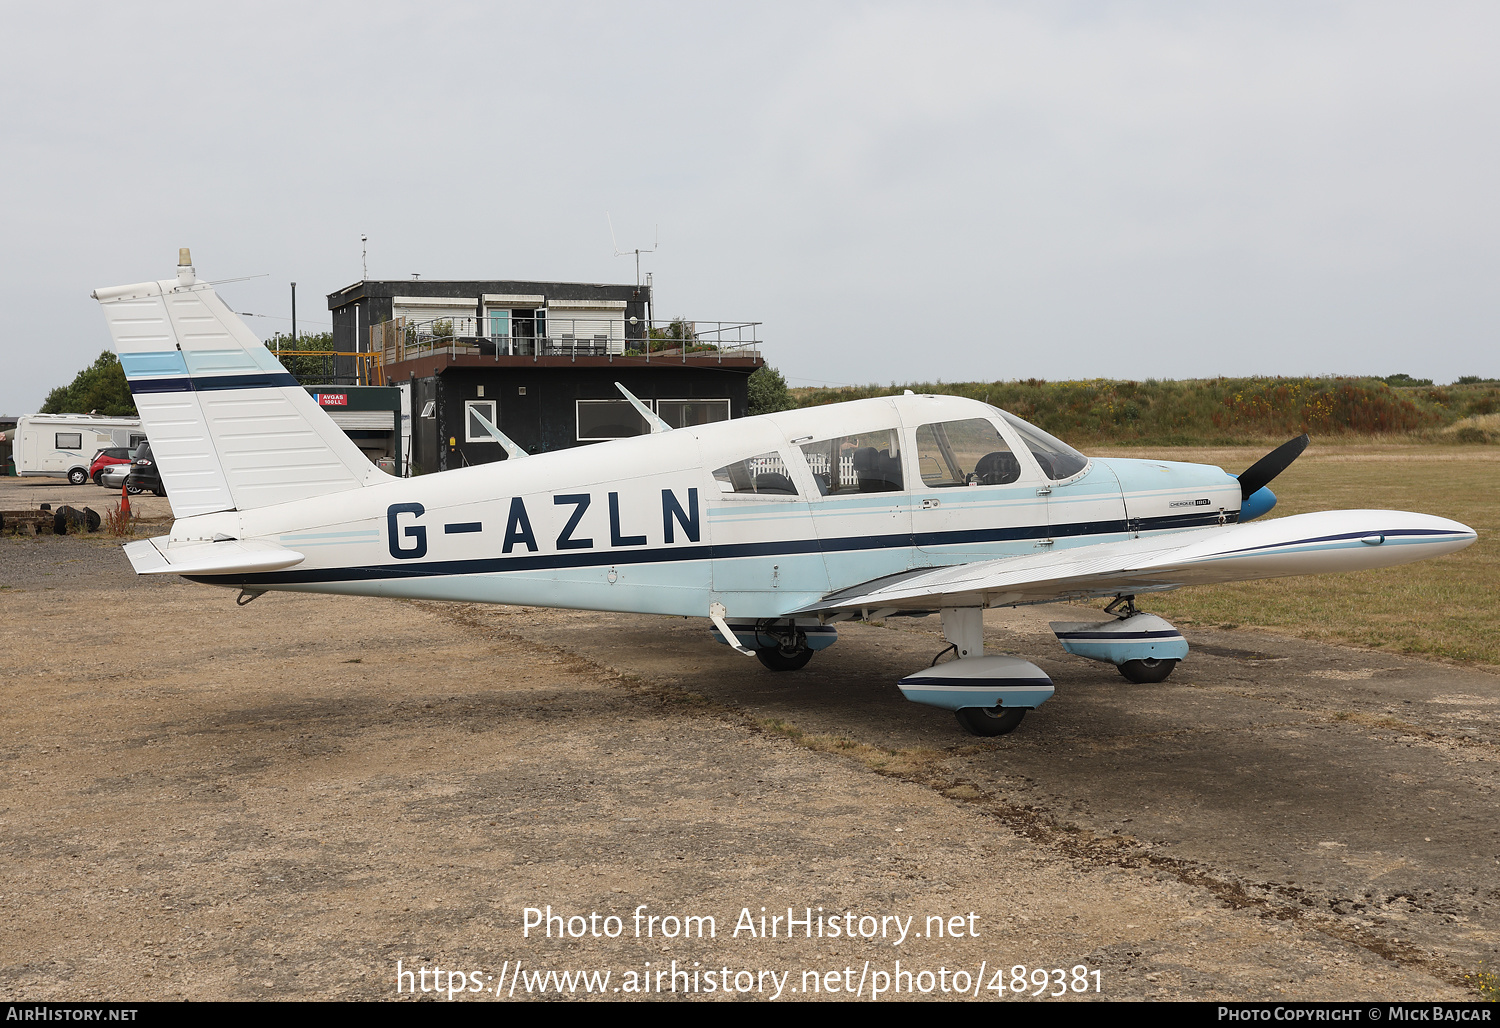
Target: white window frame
x=728, y=406
x=578, y=419
x=492, y=415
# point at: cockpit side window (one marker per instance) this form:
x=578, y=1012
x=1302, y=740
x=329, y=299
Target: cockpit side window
x=1057, y=459
x=961, y=453
x=761, y=475
x=866, y=463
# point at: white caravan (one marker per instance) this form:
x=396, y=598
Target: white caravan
x=64, y=445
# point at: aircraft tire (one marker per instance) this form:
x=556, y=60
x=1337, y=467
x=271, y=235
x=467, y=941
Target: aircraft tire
x=990, y=720
x=78, y=476
x=776, y=660
x=1148, y=671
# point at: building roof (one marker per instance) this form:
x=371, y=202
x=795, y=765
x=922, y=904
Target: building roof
x=388, y=288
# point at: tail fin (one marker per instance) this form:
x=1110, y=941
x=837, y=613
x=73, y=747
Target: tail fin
x=230, y=429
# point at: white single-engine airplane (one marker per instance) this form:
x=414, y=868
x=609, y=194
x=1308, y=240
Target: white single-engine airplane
x=775, y=528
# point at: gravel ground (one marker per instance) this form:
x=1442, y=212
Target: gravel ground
x=285, y=800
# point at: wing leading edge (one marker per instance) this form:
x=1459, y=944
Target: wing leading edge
x=1341, y=540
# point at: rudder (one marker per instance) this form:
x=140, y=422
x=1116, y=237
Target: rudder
x=230, y=428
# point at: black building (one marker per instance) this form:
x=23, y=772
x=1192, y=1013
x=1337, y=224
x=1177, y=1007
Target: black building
x=537, y=359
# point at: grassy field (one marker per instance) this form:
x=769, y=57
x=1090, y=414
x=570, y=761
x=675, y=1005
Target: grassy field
x=1442, y=608
x=1191, y=412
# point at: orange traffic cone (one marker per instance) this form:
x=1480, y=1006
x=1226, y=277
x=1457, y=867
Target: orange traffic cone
x=124, y=502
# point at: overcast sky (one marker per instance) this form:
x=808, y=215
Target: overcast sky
x=900, y=192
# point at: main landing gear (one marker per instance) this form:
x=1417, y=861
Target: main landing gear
x=780, y=644
x=784, y=656
x=988, y=695
x=990, y=720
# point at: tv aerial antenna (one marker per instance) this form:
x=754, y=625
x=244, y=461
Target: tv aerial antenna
x=637, y=251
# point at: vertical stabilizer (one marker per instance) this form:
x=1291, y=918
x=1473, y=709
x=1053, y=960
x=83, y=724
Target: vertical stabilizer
x=230, y=428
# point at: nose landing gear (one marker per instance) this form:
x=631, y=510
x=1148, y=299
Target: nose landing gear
x=1144, y=647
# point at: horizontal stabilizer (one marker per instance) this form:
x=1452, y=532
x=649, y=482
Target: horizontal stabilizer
x=227, y=557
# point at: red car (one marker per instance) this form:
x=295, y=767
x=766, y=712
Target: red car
x=104, y=458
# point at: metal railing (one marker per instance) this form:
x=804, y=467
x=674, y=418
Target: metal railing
x=680, y=341
x=333, y=367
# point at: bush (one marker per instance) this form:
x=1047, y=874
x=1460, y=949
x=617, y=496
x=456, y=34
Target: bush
x=768, y=392
x=1211, y=411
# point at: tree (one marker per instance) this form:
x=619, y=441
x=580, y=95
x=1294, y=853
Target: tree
x=768, y=392
x=307, y=367
x=99, y=388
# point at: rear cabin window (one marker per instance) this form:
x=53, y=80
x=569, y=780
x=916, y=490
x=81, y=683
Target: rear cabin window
x=963, y=453
x=761, y=475
x=866, y=463
x=69, y=440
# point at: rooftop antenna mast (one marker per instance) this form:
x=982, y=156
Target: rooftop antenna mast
x=637, y=251
x=364, y=265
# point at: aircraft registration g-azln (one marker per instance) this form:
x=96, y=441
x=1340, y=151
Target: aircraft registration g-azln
x=774, y=528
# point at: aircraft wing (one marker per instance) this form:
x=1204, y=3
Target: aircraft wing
x=1343, y=540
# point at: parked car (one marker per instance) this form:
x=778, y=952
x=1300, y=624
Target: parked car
x=143, y=472
x=104, y=458
x=116, y=475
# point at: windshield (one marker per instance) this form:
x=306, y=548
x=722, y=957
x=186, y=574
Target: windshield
x=1057, y=459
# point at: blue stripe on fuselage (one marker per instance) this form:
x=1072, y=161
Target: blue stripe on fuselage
x=667, y=554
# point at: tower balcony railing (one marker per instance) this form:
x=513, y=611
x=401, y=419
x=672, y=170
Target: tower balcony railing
x=680, y=341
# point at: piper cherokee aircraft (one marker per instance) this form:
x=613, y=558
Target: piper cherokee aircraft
x=774, y=528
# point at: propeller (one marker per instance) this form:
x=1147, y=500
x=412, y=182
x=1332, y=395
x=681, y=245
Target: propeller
x=1259, y=474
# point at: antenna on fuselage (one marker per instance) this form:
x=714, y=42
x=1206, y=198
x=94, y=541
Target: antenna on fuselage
x=511, y=449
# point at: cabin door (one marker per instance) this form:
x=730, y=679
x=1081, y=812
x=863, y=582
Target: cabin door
x=975, y=500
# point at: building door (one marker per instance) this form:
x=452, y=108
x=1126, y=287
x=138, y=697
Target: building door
x=523, y=331
x=499, y=331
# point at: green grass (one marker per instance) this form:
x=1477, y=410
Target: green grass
x=1218, y=410
x=1443, y=608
